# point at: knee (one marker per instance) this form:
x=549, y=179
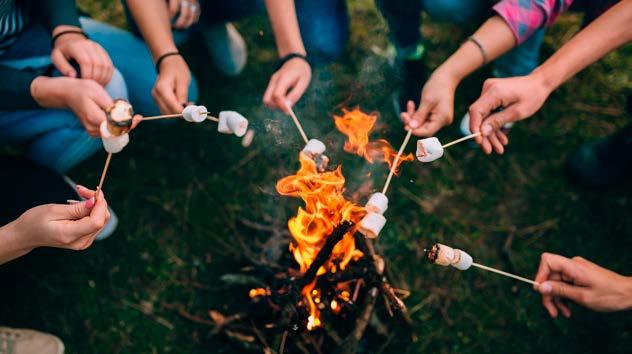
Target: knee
x=458, y=11
x=324, y=27
x=117, y=88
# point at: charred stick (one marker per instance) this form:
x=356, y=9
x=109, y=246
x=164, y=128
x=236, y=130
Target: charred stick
x=324, y=254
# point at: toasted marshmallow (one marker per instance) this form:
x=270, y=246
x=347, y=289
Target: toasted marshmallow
x=372, y=224
x=112, y=143
x=194, y=114
x=378, y=203
x=464, y=261
x=448, y=256
x=429, y=149
x=314, y=147
x=231, y=122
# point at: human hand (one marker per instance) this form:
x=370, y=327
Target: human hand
x=70, y=226
x=94, y=62
x=187, y=11
x=171, y=90
x=288, y=85
x=436, y=108
x=583, y=282
x=86, y=98
x=503, y=101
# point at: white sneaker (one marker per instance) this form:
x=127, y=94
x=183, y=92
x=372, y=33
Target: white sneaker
x=26, y=341
x=226, y=47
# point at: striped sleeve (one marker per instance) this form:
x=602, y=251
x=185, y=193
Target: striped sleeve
x=524, y=17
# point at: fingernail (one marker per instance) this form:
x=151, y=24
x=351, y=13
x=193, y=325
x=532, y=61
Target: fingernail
x=413, y=124
x=80, y=186
x=546, y=288
x=90, y=203
x=486, y=129
x=289, y=103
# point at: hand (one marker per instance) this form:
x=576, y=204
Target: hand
x=519, y=98
x=72, y=226
x=436, y=108
x=583, y=282
x=94, y=62
x=188, y=11
x=87, y=99
x=288, y=85
x=171, y=90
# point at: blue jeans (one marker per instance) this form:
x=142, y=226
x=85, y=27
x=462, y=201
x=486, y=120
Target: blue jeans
x=53, y=138
x=404, y=20
x=324, y=24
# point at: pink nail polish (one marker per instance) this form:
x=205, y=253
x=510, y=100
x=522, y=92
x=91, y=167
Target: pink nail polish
x=413, y=124
x=90, y=202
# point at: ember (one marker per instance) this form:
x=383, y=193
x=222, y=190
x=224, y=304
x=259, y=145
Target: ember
x=357, y=126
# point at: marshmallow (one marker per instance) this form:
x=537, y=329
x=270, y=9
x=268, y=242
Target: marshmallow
x=231, y=122
x=119, y=117
x=194, y=114
x=445, y=256
x=372, y=224
x=429, y=149
x=112, y=143
x=314, y=147
x=378, y=203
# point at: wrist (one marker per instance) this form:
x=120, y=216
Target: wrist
x=44, y=93
x=627, y=293
x=13, y=239
x=543, y=79
x=64, y=33
x=447, y=76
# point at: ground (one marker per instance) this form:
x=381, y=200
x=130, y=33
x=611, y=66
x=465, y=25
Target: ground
x=181, y=192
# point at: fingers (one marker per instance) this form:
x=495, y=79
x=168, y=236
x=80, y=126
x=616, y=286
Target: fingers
x=75, y=211
x=561, y=306
x=62, y=64
x=84, y=192
x=136, y=121
x=563, y=290
x=101, y=97
x=90, y=224
x=298, y=90
x=553, y=263
x=174, y=6
x=182, y=91
x=103, y=68
x=267, y=95
x=165, y=95
x=185, y=17
x=496, y=144
x=84, y=59
x=279, y=95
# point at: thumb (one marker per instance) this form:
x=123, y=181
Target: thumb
x=563, y=290
x=75, y=211
x=182, y=91
x=496, y=121
x=62, y=64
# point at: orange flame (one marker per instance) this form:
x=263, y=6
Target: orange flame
x=325, y=208
x=357, y=126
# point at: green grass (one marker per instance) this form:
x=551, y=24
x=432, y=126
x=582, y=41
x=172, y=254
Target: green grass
x=180, y=192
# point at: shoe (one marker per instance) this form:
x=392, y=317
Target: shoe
x=109, y=227
x=413, y=76
x=26, y=341
x=600, y=163
x=226, y=47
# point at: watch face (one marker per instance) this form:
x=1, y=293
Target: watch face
x=120, y=114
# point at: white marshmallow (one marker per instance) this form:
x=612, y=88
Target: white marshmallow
x=231, y=122
x=464, y=262
x=429, y=149
x=314, y=147
x=377, y=203
x=194, y=114
x=372, y=224
x=112, y=143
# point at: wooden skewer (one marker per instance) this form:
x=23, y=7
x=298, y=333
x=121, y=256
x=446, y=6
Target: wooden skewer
x=396, y=161
x=105, y=171
x=178, y=115
x=505, y=274
x=72, y=201
x=297, y=123
x=461, y=139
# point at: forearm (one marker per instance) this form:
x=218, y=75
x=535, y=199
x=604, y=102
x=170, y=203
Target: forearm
x=152, y=18
x=605, y=34
x=284, y=22
x=10, y=245
x=496, y=38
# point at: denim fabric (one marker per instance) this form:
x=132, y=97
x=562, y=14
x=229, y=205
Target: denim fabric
x=404, y=21
x=54, y=138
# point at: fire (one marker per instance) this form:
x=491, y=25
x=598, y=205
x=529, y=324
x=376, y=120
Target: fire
x=325, y=208
x=357, y=126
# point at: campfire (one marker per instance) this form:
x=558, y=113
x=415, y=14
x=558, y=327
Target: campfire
x=337, y=276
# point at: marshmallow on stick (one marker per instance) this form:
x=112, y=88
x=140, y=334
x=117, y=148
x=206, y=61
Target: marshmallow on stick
x=429, y=149
x=114, y=130
x=315, y=149
x=194, y=114
x=231, y=122
x=374, y=220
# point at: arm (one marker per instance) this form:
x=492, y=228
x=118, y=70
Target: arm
x=55, y=225
x=171, y=90
x=521, y=97
x=288, y=84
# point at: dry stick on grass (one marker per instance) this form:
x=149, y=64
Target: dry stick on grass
x=351, y=342
x=396, y=161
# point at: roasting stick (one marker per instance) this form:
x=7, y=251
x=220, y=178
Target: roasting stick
x=394, y=166
x=297, y=123
x=498, y=271
x=177, y=115
x=105, y=172
x=461, y=139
